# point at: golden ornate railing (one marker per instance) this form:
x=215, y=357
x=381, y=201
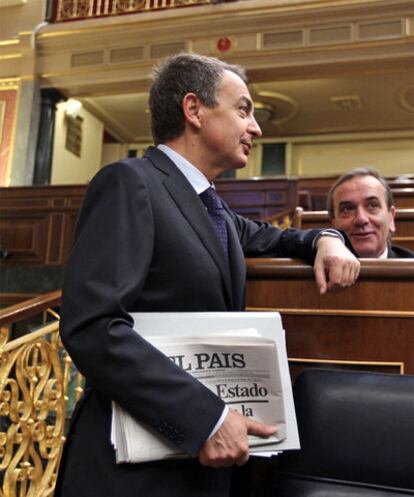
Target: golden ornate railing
x=281, y=220
x=37, y=384
x=65, y=10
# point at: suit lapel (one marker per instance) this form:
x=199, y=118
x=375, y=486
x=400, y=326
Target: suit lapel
x=237, y=263
x=191, y=207
x=391, y=254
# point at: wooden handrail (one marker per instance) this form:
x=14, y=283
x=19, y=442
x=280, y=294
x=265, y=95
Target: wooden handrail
x=29, y=307
x=31, y=337
x=279, y=216
x=371, y=269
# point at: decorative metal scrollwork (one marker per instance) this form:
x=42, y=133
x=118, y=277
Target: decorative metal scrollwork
x=129, y=6
x=84, y=9
x=34, y=379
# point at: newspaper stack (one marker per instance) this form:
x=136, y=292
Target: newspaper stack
x=246, y=370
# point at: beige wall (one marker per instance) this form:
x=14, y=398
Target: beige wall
x=67, y=168
x=47, y=60
x=330, y=155
x=253, y=167
x=16, y=16
x=391, y=155
x=112, y=152
x=333, y=154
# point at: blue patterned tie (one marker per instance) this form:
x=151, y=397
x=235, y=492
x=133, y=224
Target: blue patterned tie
x=215, y=209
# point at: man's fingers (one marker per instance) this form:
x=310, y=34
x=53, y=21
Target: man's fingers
x=342, y=275
x=320, y=277
x=356, y=270
x=334, y=271
x=338, y=276
x=224, y=456
x=260, y=429
x=335, y=267
x=229, y=445
x=351, y=273
x=243, y=460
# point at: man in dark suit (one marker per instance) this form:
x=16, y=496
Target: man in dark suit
x=360, y=203
x=146, y=242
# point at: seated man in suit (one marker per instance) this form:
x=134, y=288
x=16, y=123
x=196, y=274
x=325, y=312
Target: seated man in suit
x=360, y=203
x=153, y=236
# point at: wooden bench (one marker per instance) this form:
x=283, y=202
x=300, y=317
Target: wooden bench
x=313, y=192
x=369, y=326
x=403, y=197
x=404, y=221
x=259, y=198
x=37, y=223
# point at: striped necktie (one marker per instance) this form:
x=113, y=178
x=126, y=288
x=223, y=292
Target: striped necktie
x=215, y=209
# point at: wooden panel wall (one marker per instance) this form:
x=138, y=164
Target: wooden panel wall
x=260, y=198
x=37, y=223
x=403, y=197
x=369, y=326
x=314, y=191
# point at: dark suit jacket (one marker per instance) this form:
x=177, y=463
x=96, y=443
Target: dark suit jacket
x=396, y=252
x=145, y=242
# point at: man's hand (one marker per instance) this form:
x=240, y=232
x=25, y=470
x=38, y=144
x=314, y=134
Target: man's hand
x=335, y=266
x=229, y=444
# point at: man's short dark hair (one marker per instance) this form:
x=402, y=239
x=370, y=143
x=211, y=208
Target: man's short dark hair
x=173, y=79
x=354, y=173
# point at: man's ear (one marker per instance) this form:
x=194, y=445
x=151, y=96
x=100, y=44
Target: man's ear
x=191, y=108
x=392, y=222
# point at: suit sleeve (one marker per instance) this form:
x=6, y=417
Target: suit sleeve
x=259, y=239
x=104, y=278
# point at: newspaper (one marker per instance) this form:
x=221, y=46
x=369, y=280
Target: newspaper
x=240, y=366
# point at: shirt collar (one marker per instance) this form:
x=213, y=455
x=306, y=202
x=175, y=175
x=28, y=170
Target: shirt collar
x=384, y=255
x=193, y=175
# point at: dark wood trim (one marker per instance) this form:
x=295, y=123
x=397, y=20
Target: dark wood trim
x=371, y=269
x=37, y=223
x=30, y=307
x=372, y=322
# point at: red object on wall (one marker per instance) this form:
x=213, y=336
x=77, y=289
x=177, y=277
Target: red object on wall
x=224, y=44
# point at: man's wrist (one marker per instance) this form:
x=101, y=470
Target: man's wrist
x=219, y=422
x=327, y=232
